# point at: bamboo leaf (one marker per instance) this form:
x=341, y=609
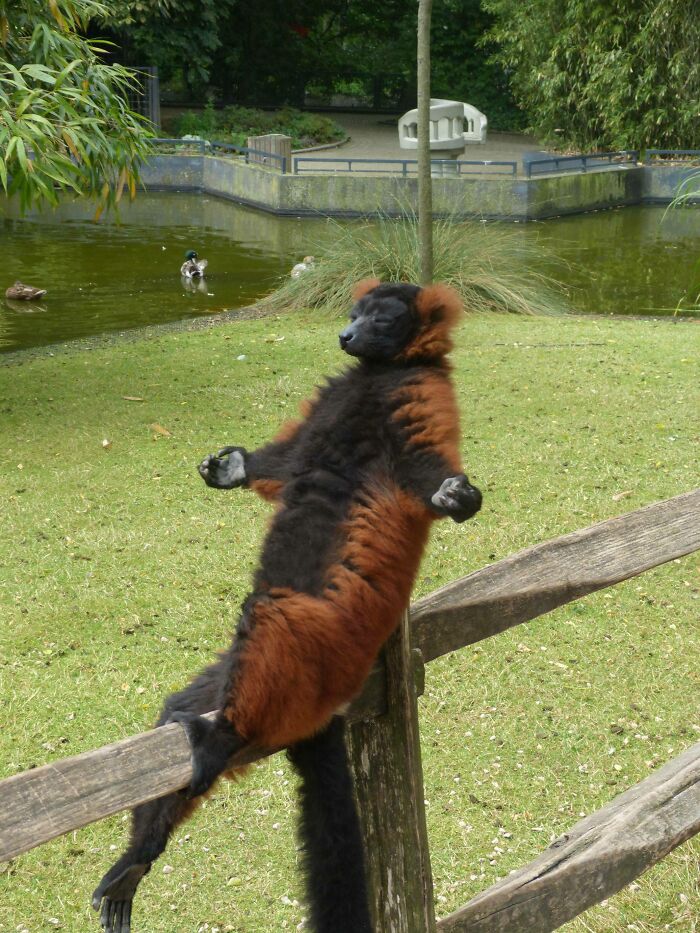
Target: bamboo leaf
x=120, y=186
x=39, y=73
x=56, y=13
x=27, y=102
x=70, y=142
x=21, y=154
x=69, y=68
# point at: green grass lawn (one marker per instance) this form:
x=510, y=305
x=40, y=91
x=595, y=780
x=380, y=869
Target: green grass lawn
x=122, y=573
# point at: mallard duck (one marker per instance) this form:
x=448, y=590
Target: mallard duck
x=192, y=267
x=20, y=292
x=303, y=266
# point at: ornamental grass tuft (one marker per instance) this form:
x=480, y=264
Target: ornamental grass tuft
x=491, y=266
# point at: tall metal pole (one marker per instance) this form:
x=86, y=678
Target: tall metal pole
x=425, y=193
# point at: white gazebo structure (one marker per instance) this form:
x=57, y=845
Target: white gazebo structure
x=453, y=125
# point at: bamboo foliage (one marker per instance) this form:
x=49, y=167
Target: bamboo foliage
x=64, y=119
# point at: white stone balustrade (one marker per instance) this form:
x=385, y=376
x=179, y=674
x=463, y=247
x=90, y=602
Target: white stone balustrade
x=448, y=119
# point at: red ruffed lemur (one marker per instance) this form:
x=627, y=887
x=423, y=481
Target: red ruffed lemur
x=357, y=484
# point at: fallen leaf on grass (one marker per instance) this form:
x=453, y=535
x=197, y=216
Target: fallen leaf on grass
x=159, y=429
x=133, y=398
x=622, y=495
x=106, y=443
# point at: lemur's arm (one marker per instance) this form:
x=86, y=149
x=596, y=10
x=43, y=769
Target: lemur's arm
x=265, y=470
x=442, y=489
x=426, y=427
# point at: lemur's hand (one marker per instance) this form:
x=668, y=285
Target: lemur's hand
x=457, y=498
x=225, y=470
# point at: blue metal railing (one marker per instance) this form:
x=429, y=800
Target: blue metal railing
x=550, y=165
x=579, y=163
x=404, y=167
x=672, y=155
x=204, y=145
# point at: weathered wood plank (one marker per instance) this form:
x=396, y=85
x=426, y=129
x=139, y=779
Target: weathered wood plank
x=39, y=805
x=537, y=580
x=597, y=858
x=385, y=756
x=49, y=801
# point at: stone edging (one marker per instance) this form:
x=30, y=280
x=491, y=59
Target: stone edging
x=345, y=194
x=337, y=145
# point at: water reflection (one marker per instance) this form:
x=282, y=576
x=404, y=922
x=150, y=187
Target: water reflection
x=633, y=260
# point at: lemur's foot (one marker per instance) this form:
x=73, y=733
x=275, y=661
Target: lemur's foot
x=457, y=498
x=224, y=470
x=213, y=742
x=115, y=893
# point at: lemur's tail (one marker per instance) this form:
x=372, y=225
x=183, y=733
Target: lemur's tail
x=329, y=832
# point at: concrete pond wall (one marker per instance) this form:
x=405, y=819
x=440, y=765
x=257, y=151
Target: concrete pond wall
x=350, y=195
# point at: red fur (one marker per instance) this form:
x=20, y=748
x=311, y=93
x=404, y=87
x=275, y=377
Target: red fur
x=318, y=651
x=429, y=411
x=439, y=307
x=363, y=287
x=270, y=489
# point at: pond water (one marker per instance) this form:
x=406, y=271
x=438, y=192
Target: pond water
x=631, y=260
x=109, y=277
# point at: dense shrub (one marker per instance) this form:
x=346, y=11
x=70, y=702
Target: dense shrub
x=236, y=124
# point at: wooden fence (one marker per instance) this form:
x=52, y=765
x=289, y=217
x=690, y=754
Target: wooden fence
x=596, y=858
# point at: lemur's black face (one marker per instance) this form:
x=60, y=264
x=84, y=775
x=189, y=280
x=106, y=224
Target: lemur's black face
x=382, y=323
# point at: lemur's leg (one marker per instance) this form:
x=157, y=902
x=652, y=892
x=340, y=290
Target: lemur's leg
x=329, y=832
x=153, y=822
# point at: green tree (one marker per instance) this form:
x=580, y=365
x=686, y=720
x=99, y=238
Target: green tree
x=64, y=120
x=183, y=38
x=268, y=53
x=463, y=68
x=604, y=75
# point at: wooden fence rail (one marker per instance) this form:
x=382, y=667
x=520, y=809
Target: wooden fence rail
x=596, y=858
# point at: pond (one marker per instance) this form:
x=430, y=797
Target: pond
x=110, y=277
x=107, y=276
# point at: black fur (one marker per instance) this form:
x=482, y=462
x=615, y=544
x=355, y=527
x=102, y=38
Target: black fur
x=329, y=832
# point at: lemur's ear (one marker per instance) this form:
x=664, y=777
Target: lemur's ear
x=439, y=308
x=438, y=304
x=363, y=287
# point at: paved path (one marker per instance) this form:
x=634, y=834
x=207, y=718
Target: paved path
x=375, y=136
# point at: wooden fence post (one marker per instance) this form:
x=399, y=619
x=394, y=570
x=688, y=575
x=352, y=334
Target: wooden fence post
x=386, y=760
